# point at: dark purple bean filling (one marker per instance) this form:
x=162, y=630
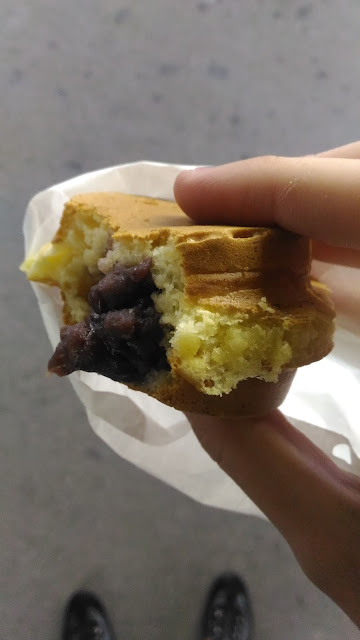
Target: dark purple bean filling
x=120, y=339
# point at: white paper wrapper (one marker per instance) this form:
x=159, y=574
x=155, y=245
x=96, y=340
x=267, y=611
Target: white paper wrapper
x=323, y=401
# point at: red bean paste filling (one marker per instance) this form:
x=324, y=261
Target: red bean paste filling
x=121, y=337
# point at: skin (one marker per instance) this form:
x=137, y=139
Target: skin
x=314, y=504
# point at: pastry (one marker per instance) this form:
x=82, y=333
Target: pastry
x=208, y=319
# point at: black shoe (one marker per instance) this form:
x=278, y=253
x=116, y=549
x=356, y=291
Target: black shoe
x=227, y=613
x=85, y=618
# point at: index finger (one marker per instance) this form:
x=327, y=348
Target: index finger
x=313, y=196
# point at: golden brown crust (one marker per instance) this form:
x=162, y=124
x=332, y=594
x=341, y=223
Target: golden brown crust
x=250, y=398
x=122, y=212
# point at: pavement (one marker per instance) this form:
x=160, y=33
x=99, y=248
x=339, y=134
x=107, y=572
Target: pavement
x=87, y=85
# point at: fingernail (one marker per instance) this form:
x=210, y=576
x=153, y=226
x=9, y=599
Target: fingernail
x=204, y=167
x=197, y=170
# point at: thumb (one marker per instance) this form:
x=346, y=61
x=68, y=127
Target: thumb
x=312, y=196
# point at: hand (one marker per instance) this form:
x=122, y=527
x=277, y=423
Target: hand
x=314, y=504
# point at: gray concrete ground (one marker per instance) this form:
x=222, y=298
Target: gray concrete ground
x=89, y=84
